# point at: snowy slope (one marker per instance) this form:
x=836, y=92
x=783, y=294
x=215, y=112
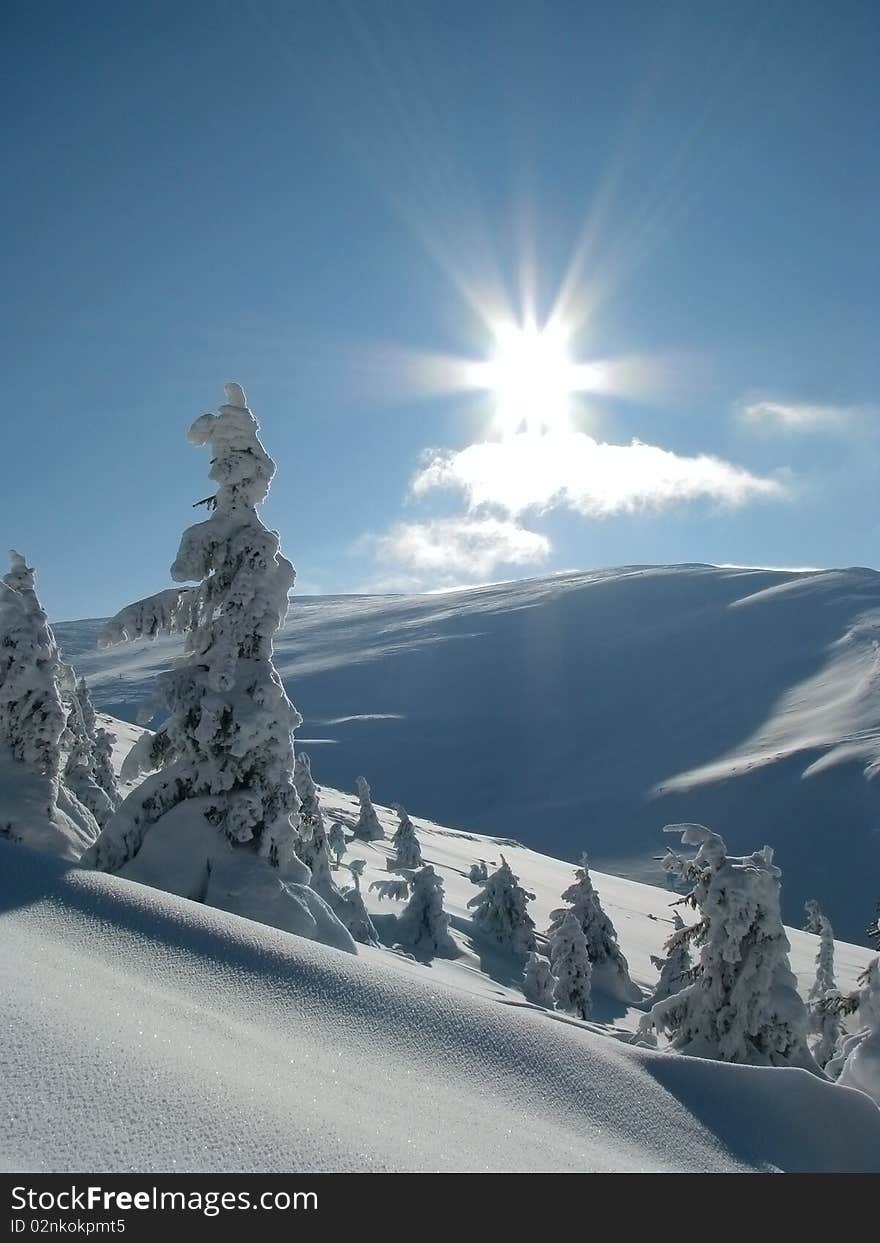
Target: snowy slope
x=586, y=710
x=641, y=913
x=147, y=1032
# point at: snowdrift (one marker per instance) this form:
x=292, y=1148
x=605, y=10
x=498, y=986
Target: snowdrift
x=586, y=710
x=147, y=1032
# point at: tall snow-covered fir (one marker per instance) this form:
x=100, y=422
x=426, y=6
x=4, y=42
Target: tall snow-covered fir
x=39, y=807
x=743, y=1005
x=219, y=817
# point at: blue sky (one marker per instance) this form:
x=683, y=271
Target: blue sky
x=338, y=204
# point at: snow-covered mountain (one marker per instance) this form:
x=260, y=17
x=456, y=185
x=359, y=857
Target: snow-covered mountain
x=586, y=710
x=183, y=1037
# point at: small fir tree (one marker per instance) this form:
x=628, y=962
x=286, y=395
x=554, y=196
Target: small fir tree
x=571, y=967
x=312, y=846
x=408, y=852
x=857, y=1061
x=88, y=770
x=500, y=910
x=395, y=890
x=368, y=828
x=610, y=968
x=336, y=842
x=352, y=910
x=675, y=968
x=538, y=981
x=479, y=873
x=423, y=925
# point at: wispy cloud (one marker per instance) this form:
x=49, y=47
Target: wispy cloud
x=572, y=470
x=798, y=416
x=473, y=546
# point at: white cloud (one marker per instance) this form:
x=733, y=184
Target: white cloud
x=452, y=546
x=796, y=417
x=573, y=470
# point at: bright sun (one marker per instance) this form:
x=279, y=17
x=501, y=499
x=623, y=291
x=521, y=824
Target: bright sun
x=532, y=378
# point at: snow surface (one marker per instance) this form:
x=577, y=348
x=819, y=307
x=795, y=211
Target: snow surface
x=587, y=710
x=147, y=1032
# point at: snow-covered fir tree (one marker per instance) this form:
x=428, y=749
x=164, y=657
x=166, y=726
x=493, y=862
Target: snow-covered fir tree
x=675, y=968
x=223, y=802
x=32, y=716
x=394, y=890
x=500, y=910
x=423, y=925
x=368, y=828
x=355, y=916
x=336, y=842
x=88, y=770
x=818, y=923
x=103, y=770
x=571, y=967
x=743, y=1005
x=826, y=1028
x=610, y=968
x=307, y=791
x=312, y=846
x=479, y=873
x=39, y=808
x=538, y=981
x=408, y=852
x=857, y=1061
x=354, y=913
x=313, y=849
